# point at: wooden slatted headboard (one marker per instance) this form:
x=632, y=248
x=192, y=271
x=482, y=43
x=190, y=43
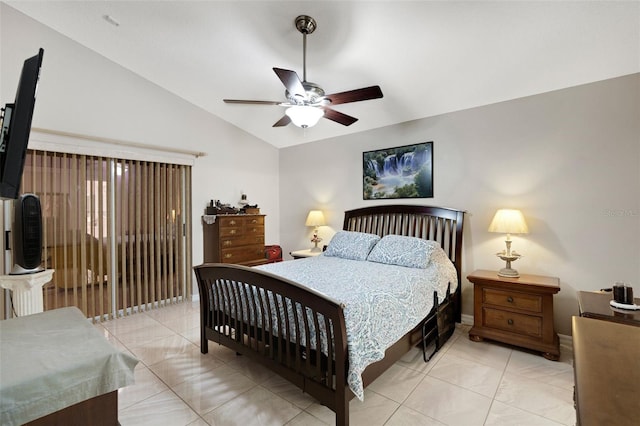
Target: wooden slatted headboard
x=439, y=224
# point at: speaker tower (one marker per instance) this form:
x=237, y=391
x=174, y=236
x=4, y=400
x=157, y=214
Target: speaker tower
x=27, y=235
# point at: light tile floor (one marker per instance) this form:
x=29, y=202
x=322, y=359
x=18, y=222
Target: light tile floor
x=466, y=383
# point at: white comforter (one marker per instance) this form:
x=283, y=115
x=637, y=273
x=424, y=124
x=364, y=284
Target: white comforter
x=382, y=302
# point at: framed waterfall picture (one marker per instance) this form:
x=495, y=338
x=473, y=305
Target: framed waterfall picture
x=401, y=172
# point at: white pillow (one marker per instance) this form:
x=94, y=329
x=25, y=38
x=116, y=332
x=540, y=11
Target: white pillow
x=399, y=250
x=351, y=245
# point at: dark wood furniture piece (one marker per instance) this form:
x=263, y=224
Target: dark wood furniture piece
x=235, y=238
x=516, y=311
x=607, y=372
x=98, y=411
x=321, y=373
x=595, y=304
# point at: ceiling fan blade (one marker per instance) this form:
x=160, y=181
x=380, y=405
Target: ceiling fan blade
x=291, y=81
x=364, y=94
x=339, y=117
x=282, y=122
x=242, y=101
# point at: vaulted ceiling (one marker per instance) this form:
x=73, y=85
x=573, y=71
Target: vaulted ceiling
x=428, y=57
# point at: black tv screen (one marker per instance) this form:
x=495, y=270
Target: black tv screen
x=16, y=126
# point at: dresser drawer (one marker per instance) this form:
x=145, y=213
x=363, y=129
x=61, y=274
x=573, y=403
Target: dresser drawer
x=512, y=299
x=254, y=230
x=528, y=325
x=253, y=220
x=230, y=221
x=242, y=254
x=242, y=240
x=230, y=231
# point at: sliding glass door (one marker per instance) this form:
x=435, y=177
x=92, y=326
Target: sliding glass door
x=116, y=231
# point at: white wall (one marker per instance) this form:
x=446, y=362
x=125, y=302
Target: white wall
x=84, y=93
x=569, y=159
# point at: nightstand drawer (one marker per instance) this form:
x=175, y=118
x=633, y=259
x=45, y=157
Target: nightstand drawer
x=511, y=299
x=527, y=325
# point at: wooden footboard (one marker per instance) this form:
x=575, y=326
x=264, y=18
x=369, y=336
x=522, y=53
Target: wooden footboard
x=252, y=312
x=295, y=331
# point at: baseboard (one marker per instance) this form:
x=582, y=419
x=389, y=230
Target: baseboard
x=467, y=319
x=566, y=341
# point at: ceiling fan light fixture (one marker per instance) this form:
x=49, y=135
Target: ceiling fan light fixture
x=304, y=116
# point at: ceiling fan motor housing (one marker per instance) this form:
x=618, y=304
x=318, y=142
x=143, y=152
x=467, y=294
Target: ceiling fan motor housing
x=314, y=94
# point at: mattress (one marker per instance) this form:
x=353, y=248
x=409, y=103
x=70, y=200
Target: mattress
x=382, y=302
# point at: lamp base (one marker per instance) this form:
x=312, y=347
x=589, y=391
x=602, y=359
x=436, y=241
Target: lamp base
x=508, y=273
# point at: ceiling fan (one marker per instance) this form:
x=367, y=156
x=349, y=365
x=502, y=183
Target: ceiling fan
x=306, y=101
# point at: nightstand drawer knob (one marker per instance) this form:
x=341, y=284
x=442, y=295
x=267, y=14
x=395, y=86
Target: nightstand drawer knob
x=510, y=299
x=510, y=321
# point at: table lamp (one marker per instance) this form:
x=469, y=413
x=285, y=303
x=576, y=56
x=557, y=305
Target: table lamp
x=508, y=221
x=315, y=218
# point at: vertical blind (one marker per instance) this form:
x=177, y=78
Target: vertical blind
x=117, y=232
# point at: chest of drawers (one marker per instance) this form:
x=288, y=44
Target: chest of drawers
x=516, y=311
x=235, y=239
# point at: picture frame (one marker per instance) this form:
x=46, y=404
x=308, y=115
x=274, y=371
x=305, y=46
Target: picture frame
x=400, y=172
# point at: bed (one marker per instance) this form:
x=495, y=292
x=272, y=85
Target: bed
x=304, y=332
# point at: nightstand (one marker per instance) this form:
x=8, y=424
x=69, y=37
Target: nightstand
x=516, y=311
x=299, y=254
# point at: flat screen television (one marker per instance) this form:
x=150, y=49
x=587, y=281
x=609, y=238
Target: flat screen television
x=16, y=126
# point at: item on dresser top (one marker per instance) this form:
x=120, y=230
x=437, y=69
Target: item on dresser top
x=627, y=306
x=623, y=293
x=212, y=208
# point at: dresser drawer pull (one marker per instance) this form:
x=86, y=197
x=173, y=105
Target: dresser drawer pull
x=510, y=299
x=227, y=243
x=228, y=256
x=510, y=321
x=232, y=232
x=254, y=221
x=233, y=222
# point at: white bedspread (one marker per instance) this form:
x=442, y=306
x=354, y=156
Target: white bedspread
x=382, y=302
x=53, y=360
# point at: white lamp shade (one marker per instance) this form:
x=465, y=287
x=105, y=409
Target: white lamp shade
x=509, y=221
x=315, y=218
x=304, y=116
